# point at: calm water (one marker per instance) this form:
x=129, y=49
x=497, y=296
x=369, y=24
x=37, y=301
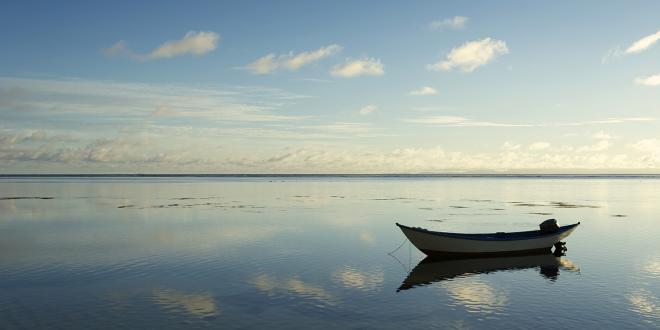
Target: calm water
x=313, y=252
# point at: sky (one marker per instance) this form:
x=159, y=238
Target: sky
x=330, y=87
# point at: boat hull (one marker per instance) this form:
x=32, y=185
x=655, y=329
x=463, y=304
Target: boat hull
x=438, y=244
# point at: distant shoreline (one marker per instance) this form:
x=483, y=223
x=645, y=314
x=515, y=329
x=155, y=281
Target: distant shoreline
x=393, y=175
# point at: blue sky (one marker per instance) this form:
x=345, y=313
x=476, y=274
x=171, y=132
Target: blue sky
x=350, y=87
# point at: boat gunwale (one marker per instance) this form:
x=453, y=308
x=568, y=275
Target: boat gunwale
x=512, y=236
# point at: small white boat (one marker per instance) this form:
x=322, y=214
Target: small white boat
x=442, y=244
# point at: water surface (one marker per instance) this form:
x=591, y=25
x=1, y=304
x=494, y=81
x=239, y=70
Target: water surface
x=300, y=252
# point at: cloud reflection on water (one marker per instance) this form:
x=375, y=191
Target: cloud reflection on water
x=355, y=279
x=293, y=285
x=652, y=268
x=198, y=305
x=476, y=295
x=645, y=303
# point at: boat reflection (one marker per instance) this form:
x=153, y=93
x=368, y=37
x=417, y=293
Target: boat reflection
x=431, y=270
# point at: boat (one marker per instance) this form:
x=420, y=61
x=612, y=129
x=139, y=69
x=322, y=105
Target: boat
x=444, y=244
x=432, y=270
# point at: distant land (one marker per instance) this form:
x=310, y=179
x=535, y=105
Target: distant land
x=293, y=175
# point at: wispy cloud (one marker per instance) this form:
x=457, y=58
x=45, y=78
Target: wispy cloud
x=93, y=102
x=368, y=109
x=601, y=135
x=292, y=61
x=161, y=110
x=426, y=90
x=118, y=49
x=193, y=42
x=471, y=55
x=653, y=80
x=453, y=23
x=458, y=121
x=643, y=44
x=509, y=146
x=353, y=68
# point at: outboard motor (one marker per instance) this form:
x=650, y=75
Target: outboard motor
x=549, y=226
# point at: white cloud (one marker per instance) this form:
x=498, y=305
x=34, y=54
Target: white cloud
x=354, y=68
x=650, y=149
x=118, y=49
x=647, y=145
x=368, y=109
x=539, y=146
x=304, y=58
x=471, y=55
x=454, y=23
x=599, y=146
x=195, y=43
x=185, y=151
x=653, y=80
x=264, y=65
x=291, y=61
x=643, y=44
x=426, y=90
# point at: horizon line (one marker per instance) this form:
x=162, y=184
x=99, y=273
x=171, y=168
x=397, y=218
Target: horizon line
x=356, y=175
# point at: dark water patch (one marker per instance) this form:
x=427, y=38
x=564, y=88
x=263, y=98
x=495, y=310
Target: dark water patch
x=561, y=205
x=393, y=199
x=24, y=197
x=458, y=207
x=479, y=200
x=192, y=198
x=244, y=206
x=180, y=205
x=471, y=214
x=564, y=205
x=527, y=204
x=426, y=208
x=619, y=215
x=436, y=220
x=540, y=213
x=495, y=209
x=335, y=196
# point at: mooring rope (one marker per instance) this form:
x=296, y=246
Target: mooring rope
x=391, y=254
